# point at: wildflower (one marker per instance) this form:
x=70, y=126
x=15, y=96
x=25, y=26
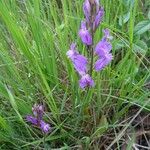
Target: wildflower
x=32, y=120
x=38, y=110
x=95, y=3
x=103, y=62
x=98, y=18
x=107, y=34
x=103, y=49
x=104, y=46
x=93, y=13
x=72, y=52
x=87, y=10
x=45, y=127
x=85, y=34
x=80, y=64
x=85, y=81
x=36, y=120
x=79, y=61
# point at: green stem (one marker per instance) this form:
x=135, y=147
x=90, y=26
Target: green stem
x=92, y=57
x=92, y=46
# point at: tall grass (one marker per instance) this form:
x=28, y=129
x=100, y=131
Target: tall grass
x=34, y=38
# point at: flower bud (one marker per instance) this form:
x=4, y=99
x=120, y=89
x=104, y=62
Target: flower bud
x=87, y=10
x=85, y=34
x=86, y=81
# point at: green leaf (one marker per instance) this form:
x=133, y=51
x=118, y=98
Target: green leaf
x=128, y=3
x=124, y=19
x=4, y=125
x=13, y=103
x=149, y=14
x=142, y=27
x=119, y=45
x=140, y=47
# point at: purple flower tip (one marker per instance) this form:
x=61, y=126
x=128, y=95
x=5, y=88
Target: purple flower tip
x=98, y=18
x=32, y=119
x=45, y=127
x=103, y=48
x=79, y=61
x=38, y=110
x=85, y=34
x=86, y=81
x=36, y=120
x=107, y=34
x=72, y=52
x=87, y=10
x=103, y=62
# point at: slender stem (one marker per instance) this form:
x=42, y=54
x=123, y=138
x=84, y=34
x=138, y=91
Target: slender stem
x=92, y=56
x=44, y=141
x=92, y=46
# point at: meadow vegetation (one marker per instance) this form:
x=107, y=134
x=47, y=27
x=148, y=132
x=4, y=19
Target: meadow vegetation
x=35, y=36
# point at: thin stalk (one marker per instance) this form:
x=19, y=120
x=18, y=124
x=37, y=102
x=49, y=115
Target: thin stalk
x=92, y=55
x=92, y=46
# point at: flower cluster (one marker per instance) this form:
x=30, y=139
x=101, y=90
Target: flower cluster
x=80, y=64
x=103, y=49
x=93, y=17
x=36, y=120
x=93, y=13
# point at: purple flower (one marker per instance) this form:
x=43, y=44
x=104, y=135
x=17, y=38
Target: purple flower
x=103, y=50
x=36, y=120
x=32, y=120
x=38, y=111
x=97, y=2
x=80, y=64
x=85, y=34
x=86, y=81
x=107, y=34
x=87, y=10
x=45, y=127
x=103, y=62
x=79, y=61
x=72, y=52
x=104, y=46
x=98, y=18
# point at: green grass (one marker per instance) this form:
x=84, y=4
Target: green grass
x=34, y=38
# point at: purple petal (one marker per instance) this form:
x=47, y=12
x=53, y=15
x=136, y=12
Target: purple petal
x=97, y=5
x=103, y=62
x=87, y=10
x=80, y=64
x=38, y=111
x=107, y=34
x=97, y=2
x=86, y=81
x=79, y=61
x=98, y=18
x=72, y=52
x=83, y=25
x=73, y=46
x=85, y=34
x=32, y=120
x=45, y=127
x=103, y=48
